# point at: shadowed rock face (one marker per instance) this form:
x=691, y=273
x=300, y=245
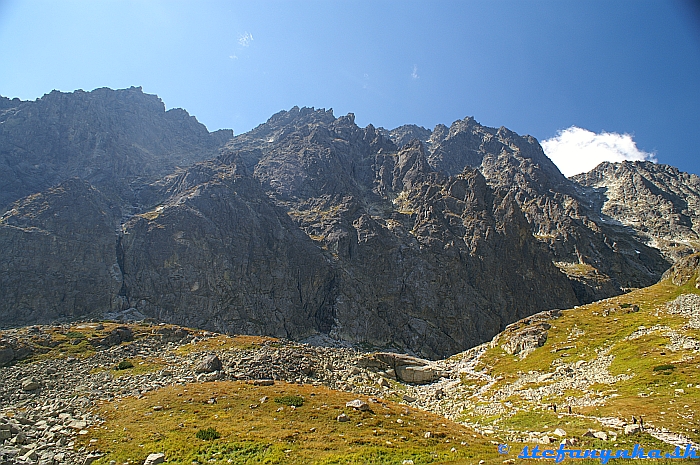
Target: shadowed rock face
x=425, y=261
x=309, y=225
x=57, y=256
x=219, y=254
x=600, y=258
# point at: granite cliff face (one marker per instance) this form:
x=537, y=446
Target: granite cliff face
x=58, y=258
x=117, y=140
x=658, y=201
x=307, y=226
x=423, y=260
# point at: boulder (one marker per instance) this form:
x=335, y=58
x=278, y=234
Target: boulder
x=115, y=337
x=172, y=334
x=209, y=364
x=404, y=367
x=7, y=355
x=154, y=459
x=30, y=384
x=527, y=339
x=358, y=404
x=416, y=375
x=90, y=458
x=632, y=429
x=263, y=382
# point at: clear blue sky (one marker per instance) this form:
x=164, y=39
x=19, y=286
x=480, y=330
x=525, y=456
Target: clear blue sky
x=536, y=67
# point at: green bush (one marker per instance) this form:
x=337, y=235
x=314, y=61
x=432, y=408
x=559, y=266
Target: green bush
x=124, y=365
x=664, y=367
x=296, y=401
x=208, y=434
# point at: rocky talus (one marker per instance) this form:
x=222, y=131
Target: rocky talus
x=52, y=379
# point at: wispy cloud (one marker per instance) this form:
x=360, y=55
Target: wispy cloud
x=245, y=39
x=576, y=150
x=414, y=74
x=233, y=57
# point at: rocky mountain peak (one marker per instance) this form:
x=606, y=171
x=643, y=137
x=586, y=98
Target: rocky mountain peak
x=402, y=135
x=111, y=138
x=659, y=201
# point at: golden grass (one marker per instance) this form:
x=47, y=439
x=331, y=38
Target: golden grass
x=258, y=430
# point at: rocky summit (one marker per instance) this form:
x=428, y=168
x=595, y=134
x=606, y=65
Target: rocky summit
x=307, y=227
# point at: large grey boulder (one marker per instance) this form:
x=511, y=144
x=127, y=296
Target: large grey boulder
x=209, y=364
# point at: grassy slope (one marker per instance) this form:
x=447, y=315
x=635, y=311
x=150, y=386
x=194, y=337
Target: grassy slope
x=664, y=398
x=255, y=432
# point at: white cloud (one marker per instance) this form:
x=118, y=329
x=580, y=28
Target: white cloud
x=414, y=74
x=245, y=39
x=576, y=150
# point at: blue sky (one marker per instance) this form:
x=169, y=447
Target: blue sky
x=536, y=67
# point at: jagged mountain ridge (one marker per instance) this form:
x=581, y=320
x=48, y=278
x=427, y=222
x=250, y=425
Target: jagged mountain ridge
x=600, y=258
x=309, y=225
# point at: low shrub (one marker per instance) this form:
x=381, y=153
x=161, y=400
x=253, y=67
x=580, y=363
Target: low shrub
x=208, y=434
x=296, y=401
x=124, y=365
x=664, y=367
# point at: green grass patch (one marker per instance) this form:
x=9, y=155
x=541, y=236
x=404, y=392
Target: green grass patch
x=663, y=367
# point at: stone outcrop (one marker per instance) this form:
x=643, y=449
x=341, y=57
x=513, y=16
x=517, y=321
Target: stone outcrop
x=401, y=367
x=382, y=214
x=209, y=364
x=526, y=335
x=684, y=270
x=526, y=340
x=58, y=258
